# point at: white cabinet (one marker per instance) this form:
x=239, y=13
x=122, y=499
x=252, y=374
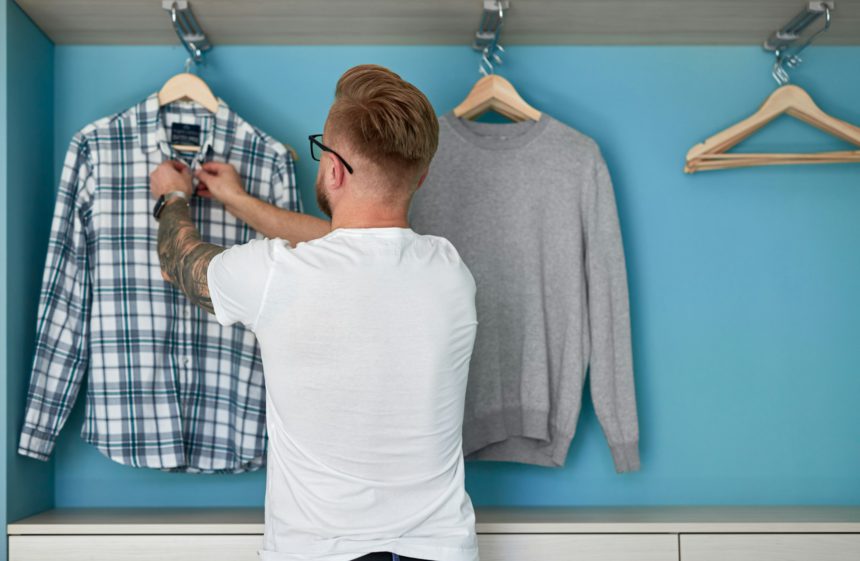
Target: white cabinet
x=685, y=533
x=770, y=547
x=578, y=547
x=134, y=548
x=493, y=547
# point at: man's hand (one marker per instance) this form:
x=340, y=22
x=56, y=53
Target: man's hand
x=223, y=182
x=171, y=175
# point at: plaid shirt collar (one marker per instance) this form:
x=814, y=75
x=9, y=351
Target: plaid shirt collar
x=219, y=135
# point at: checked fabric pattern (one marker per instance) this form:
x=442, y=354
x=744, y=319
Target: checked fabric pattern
x=168, y=387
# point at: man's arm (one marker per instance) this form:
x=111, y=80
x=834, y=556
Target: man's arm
x=275, y=222
x=224, y=183
x=184, y=256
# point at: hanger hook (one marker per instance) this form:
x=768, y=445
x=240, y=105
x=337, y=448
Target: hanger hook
x=485, y=67
x=779, y=73
x=488, y=58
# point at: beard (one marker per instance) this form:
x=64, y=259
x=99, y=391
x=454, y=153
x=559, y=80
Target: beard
x=322, y=200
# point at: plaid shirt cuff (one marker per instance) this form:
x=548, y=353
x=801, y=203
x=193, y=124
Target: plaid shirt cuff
x=36, y=443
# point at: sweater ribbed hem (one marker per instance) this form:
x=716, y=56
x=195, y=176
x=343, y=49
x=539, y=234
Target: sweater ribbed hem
x=516, y=435
x=528, y=437
x=525, y=451
x=497, y=427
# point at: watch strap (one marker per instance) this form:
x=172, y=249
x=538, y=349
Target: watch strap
x=163, y=199
x=173, y=194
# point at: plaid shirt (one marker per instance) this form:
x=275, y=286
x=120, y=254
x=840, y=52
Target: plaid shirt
x=168, y=386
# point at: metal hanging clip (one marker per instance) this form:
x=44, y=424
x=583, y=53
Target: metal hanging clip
x=189, y=31
x=782, y=41
x=487, y=37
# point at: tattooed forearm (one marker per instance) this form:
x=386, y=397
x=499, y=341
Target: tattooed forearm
x=184, y=257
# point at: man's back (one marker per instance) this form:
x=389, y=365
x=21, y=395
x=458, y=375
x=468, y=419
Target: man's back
x=366, y=336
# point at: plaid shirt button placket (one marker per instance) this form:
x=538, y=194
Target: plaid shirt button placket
x=169, y=387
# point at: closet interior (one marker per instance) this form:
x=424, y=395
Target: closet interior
x=720, y=265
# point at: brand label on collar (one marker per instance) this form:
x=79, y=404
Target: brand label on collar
x=185, y=133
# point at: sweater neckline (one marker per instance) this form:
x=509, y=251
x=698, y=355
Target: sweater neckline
x=497, y=136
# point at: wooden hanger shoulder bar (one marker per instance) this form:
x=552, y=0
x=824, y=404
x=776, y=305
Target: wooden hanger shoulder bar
x=495, y=93
x=736, y=160
x=789, y=99
x=188, y=86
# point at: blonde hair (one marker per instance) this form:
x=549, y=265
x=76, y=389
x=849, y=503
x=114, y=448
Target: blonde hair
x=386, y=120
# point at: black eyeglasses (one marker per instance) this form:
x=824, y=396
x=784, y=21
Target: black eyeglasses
x=318, y=147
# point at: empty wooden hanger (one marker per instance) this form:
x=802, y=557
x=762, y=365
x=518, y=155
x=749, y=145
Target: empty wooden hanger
x=789, y=99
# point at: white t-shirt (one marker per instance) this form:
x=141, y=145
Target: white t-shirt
x=366, y=336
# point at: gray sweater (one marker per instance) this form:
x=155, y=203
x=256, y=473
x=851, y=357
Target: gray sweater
x=531, y=209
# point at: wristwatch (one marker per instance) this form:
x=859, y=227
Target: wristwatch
x=162, y=201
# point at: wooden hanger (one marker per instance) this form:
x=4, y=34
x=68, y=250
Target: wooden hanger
x=792, y=100
x=191, y=87
x=492, y=92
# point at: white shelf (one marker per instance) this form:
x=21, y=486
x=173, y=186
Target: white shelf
x=526, y=520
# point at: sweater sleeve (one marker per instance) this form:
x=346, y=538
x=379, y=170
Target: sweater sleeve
x=610, y=358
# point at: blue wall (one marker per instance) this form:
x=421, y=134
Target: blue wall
x=5, y=423
x=27, y=202
x=30, y=194
x=743, y=283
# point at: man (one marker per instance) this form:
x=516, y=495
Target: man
x=366, y=335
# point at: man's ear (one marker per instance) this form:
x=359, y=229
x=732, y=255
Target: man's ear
x=337, y=173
